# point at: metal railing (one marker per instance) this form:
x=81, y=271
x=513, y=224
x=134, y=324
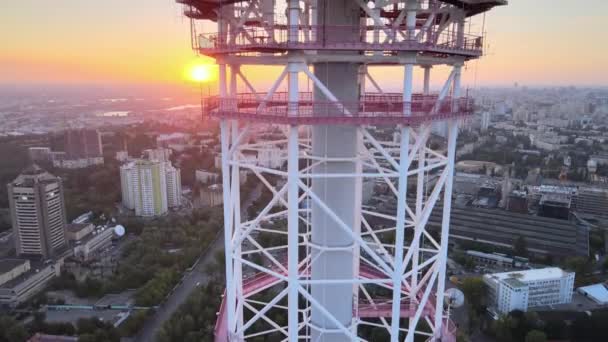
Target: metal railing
x=370, y=105
x=306, y=37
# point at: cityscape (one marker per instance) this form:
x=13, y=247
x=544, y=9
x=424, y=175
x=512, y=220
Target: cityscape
x=304, y=170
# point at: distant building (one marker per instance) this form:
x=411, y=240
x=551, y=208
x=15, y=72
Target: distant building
x=485, y=121
x=21, y=279
x=270, y=157
x=122, y=156
x=520, y=290
x=144, y=187
x=555, y=205
x=173, y=140
x=544, y=236
x=38, y=213
x=52, y=338
x=600, y=159
x=157, y=154
x=212, y=195
x=204, y=176
x=39, y=154
x=83, y=148
x=174, y=186
x=82, y=143
x=518, y=202
x=497, y=259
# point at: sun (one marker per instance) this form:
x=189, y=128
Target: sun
x=201, y=73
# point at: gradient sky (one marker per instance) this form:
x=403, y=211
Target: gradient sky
x=533, y=42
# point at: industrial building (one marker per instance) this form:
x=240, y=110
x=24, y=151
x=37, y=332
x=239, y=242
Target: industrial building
x=544, y=236
x=38, y=213
x=520, y=290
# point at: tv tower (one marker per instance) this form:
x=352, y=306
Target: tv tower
x=317, y=263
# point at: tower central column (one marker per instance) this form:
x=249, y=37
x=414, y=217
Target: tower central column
x=333, y=250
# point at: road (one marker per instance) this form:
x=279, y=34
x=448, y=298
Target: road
x=188, y=284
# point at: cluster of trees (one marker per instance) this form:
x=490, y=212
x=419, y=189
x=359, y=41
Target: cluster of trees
x=195, y=319
x=90, y=287
x=527, y=326
x=154, y=261
x=87, y=329
x=91, y=189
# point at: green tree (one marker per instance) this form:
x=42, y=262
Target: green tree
x=474, y=290
x=536, y=336
x=520, y=246
x=502, y=328
x=580, y=265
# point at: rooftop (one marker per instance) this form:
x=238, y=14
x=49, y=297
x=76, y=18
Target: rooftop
x=531, y=275
x=514, y=282
x=8, y=264
x=76, y=227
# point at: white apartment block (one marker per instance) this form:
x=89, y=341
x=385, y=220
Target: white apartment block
x=174, y=186
x=150, y=187
x=144, y=187
x=520, y=290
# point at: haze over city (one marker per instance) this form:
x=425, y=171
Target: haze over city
x=535, y=43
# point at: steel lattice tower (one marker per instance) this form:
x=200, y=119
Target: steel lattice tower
x=315, y=263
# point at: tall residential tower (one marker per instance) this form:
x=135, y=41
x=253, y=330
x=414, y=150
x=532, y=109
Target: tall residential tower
x=38, y=213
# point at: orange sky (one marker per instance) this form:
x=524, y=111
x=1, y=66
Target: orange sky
x=535, y=42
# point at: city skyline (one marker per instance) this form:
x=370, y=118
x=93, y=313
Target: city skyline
x=147, y=43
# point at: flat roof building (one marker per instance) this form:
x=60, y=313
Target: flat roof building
x=543, y=235
x=520, y=290
x=21, y=279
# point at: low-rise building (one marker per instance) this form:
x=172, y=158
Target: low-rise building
x=79, y=163
x=212, y=195
x=520, y=290
x=497, y=259
x=86, y=239
x=21, y=279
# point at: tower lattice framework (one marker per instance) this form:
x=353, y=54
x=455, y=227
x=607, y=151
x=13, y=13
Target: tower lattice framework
x=317, y=261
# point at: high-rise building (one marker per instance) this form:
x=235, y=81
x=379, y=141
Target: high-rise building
x=150, y=187
x=82, y=143
x=485, y=121
x=174, y=186
x=38, y=213
x=83, y=148
x=144, y=187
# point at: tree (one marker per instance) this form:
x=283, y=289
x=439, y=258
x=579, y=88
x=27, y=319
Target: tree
x=580, y=265
x=520, y=246
x=474, y=290
x=536, y=336
x=502, y=328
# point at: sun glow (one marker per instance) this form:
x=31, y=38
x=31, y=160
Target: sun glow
x=202, y=73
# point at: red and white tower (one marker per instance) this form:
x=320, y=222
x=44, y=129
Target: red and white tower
x=317, y=263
